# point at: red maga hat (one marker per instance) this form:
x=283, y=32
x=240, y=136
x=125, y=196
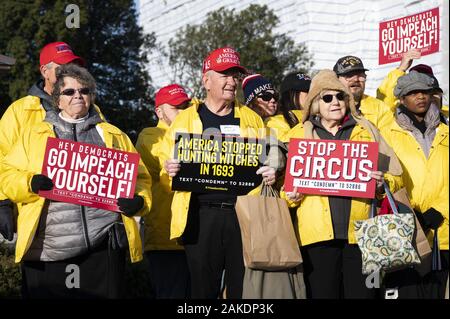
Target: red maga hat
x=223, y=59
x=59, y=52
x=172, y=94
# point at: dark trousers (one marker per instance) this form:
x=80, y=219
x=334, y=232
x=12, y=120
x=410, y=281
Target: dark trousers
x=435, y=282
x=169, y=274
x=212, y=242
x=410, y=284
x=101, y=273
x=333, y=271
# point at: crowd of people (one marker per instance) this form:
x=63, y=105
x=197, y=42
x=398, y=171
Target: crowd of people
x=192, y=240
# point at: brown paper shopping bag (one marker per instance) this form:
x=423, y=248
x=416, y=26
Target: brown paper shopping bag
x=268, y=237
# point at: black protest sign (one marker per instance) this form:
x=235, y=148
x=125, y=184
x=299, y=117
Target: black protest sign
x=217, y=163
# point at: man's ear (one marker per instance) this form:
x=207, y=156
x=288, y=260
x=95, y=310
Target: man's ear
x=205, y=80
x=43, y=69
x=159, y=112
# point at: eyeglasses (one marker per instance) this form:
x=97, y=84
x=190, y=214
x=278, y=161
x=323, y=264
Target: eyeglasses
x=70, y=92
x=267, y=96
x=327, y=98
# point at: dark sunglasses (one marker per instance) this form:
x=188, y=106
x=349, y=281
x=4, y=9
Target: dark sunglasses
x=267, y=96
x=327, y=98
x=70, y=92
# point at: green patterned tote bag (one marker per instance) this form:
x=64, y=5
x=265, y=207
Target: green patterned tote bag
x=386, y=241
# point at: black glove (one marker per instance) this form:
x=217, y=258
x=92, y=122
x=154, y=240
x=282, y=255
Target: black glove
x=41, y=182
x=130, y=206
x=432, y=219
x=6, y=219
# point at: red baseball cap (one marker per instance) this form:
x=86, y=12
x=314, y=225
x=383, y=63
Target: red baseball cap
x=59, y=52
x=172, y=94
x=223, y=59
x=423, y=68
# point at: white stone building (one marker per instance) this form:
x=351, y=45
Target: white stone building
x=329, y=28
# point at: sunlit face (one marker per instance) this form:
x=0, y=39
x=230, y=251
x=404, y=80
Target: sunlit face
x=418, y=102
x=355, y=82
x=266, y=103
x=221, y=86
x=74, y=106
x=335, y=109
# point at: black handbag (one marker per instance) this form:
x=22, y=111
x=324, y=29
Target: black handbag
x=117, y=236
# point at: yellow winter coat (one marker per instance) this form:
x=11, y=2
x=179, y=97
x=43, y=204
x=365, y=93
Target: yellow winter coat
x=376, y=112
x=280, y=126
x=314, y=223
x=21, y=114
x=157, y=222
x=25, y=160
x=386, y=91
x=426, y=179
x=251, y=125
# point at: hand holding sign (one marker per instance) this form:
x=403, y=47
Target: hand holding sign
x=172, y=167
x=408, y=58
x=130, y=206
x=41, y=182
x=294, y=196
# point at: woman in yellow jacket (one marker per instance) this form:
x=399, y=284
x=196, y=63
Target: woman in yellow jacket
x=294, y=91
x=385, y=91
x=419, y=137
x=332, y=260
x=51, y=235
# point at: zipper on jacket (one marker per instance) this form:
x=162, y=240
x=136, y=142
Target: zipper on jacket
x=82, y=208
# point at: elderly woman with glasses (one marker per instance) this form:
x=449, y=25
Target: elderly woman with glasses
x=69, y=250
x=332, y=259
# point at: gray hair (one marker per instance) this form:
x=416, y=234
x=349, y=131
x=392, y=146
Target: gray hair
x=76, y=72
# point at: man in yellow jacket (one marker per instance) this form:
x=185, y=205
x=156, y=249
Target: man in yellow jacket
x=420, y=139
x=30, y=110
x=206, y=222
x=351, y=72
x=169, y=272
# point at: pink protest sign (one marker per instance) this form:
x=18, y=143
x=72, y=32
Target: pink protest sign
x=418, y=31
x=89, y=175
x=331, y=167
